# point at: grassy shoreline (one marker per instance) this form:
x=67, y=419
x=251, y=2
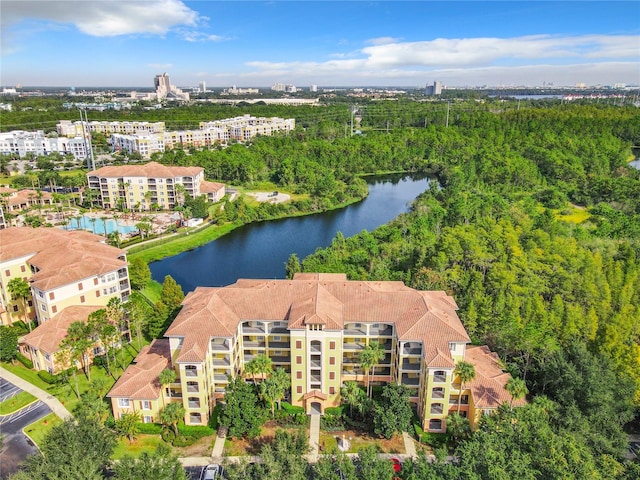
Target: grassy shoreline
x=170, y=246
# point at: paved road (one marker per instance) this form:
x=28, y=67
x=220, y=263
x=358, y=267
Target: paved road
x=7, y=390
x=17, y=447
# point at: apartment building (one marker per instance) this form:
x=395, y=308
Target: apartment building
x=314, y=327
x=63, y=268
x=18, y=200
x=22, y=143
x=68, y=128
x=138, y=187
x=42, y=344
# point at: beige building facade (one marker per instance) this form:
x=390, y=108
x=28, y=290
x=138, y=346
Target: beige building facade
x=314, y=327
x=63, y=268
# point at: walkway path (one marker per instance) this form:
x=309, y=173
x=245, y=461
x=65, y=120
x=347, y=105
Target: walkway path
x=218, y=447
x=314, y=438
x=52, y=402
x=409, y=446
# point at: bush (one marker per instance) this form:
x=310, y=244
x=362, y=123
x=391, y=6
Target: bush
x=24, y=360
x=183, y=441
x=48, y=378
x=168, y=435
x=110, y=422
x=195, y=432
x=339, y=411
x=150, y=428
x=290, y=409
x=213, y=418
x=331, y=422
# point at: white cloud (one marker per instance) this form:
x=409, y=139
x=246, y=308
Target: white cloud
x=382, y=40
x=104, y=18
x=196, y=36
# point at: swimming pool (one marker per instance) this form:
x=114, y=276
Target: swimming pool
x=86, y=223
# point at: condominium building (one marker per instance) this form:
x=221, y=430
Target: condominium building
x=14, y=200
x=63, y=268
x=22, y=143
x=67, y=128
x=42, y=344
x=315, y=327
x=138, y=187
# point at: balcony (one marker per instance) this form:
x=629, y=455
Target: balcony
x=193, y=404
x=410, y=380
x=191, y=372
x=122, y=273
x=315, y=378
x=406, y=365
x=253, y=329
x=281, y=329
x=351, y=330
x=254, y=344
x=352, y=346
x=439, y=378
x=280, y=359
x=219, y=378
x=279, y=345
x=124, y=285
x=192, y=387
x=437, y=392
x=412, y=350
x=221, y=362
x=315, y=364
x=385, y=331
x=316, y=349
x=219, y=345
x=436, y=408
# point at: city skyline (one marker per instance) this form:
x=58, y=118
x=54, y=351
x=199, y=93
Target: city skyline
x=246, y=43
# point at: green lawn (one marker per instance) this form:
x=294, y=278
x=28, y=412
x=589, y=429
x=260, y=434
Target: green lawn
x=38, y=430
x=153, y=291
x=142, y=443
x=66, y=392
x=16, y=402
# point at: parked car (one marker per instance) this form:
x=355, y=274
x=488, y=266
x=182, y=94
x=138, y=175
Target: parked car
x=211, y=472
x=397, y=466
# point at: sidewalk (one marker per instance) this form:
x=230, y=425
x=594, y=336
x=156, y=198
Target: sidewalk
x=314, y=438
x=52, y=402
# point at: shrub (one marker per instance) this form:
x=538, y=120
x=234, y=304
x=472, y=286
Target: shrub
x=110, y=422
x=290, y=409
x=150, y=428
x=194, y=432
x=47, y=377
x=331, y=422
x=339, y=411
x=24, y=360
x=213, y=418
x=168, y=435
x=183, y=441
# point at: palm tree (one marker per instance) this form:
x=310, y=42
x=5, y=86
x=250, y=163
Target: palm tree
x=172, y=414
x=352, y=394
x=517, y=388
x=261, y=365
x=167, y=377
x=370, y=356
x=104, y=225
x=93, y=221
x=20, y=292
x=466, y=372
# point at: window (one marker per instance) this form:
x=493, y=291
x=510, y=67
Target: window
x=7, y=273
x=193, y=387
x=299, y=359
x=299, y=375
x=47, y=357
x=437, y=392
x=145, y=404
x=82, y=299
x=298, y=343
x=97, y=293
x=15, y=308
x=298, y=389
x=195, y=418
x=123, y=402
x=43, y=307
x=80, y=286
x=436, y=408
x=95, y=281
x=439, y=376
x=194, y=402
x=332, y=390
x=23, y=268
x=52, y=296
x=54, y=309
x=191, y=370
x=332, y=345
x=147, y=419
x=332, y=375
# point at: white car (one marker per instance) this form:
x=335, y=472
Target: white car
x=211, y=472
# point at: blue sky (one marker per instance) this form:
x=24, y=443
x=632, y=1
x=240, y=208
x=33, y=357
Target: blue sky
x=357, y=43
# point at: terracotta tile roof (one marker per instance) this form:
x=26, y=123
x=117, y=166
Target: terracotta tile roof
x=48, y=335
x=140, y=379
x=328, y=299
x=315, y=394
x=488, y=388
x=210, y=187
x=150, y=170
x=61, y=257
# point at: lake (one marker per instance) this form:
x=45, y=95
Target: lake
x=260, y=250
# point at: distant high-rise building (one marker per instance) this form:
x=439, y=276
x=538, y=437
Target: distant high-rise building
x=435, y=89
x=314, y=88
x=164, y=89
x=202, y=87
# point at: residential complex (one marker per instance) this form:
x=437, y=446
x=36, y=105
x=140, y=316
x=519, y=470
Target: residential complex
x=314, y=327
x=13, y=200
x=63, y=268
x=139, y=187
x=147, y=142
x=23, y=143
x=67, y=128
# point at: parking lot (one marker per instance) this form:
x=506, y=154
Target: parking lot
x=16, y=446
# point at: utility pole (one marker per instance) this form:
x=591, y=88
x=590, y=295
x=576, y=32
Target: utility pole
x=354, y=110
x=447, y=122
x=91, y=163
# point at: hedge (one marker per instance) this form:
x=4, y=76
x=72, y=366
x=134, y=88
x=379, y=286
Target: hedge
x=213, y=418
x=45, y=376
x=291, y=410
x=150, y=428
x=338, y=411
x=24, y=360
x=195, y=432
